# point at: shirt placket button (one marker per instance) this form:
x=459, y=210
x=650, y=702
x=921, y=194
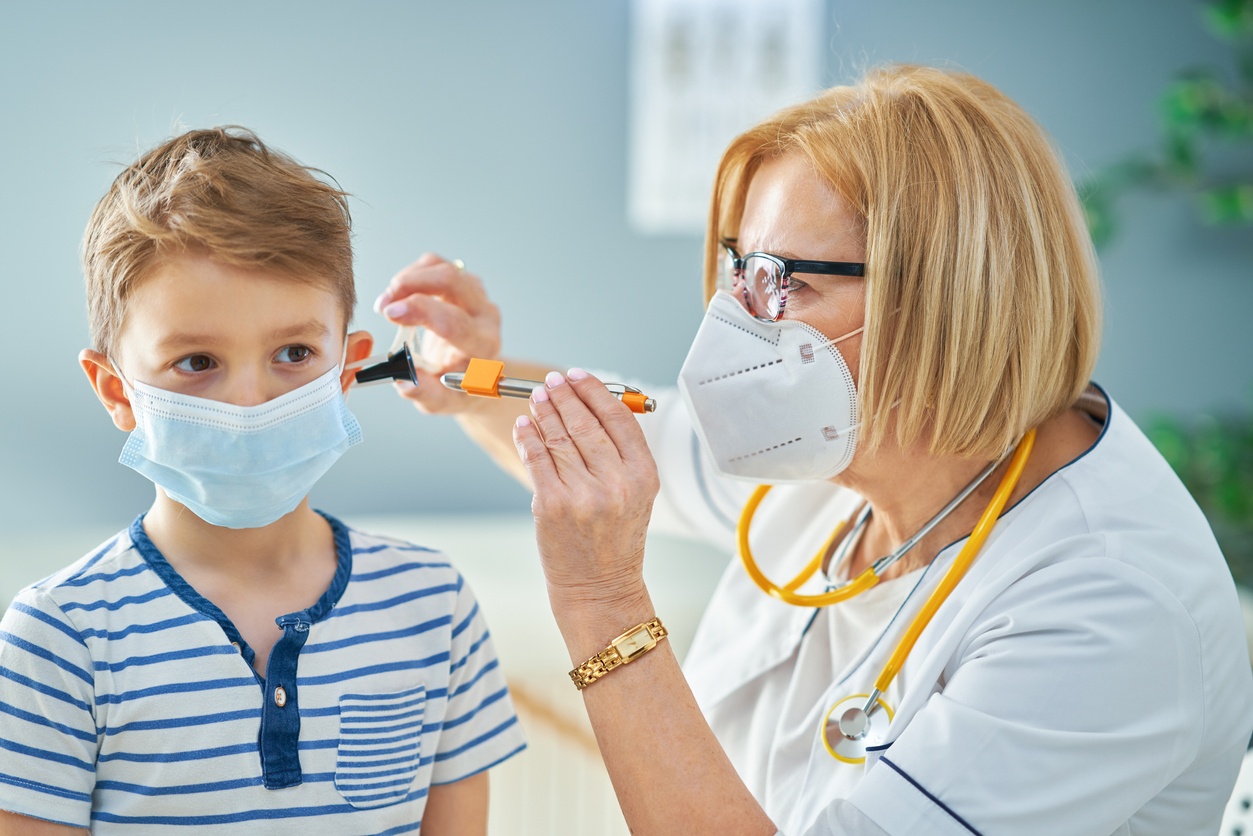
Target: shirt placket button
x=280, y=696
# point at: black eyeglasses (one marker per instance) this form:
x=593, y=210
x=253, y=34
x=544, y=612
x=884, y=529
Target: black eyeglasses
x=762, y=278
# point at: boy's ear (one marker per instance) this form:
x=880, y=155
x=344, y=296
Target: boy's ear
x=360, y=344
x=108, y=388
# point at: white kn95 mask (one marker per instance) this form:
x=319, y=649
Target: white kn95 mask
x=772, y=402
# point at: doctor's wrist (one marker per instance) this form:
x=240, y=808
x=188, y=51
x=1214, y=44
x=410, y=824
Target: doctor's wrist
x=590, y=620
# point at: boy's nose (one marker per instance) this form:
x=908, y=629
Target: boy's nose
x=250, y=389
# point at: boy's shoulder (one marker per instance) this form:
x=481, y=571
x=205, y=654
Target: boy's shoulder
x=114, y=562
x=106, y=580
x=384, y=565
x=376, y=550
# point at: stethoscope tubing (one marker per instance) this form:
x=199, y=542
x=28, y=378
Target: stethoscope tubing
x=870, y=576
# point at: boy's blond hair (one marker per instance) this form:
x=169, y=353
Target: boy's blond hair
x=223, y=194
x=982, y=302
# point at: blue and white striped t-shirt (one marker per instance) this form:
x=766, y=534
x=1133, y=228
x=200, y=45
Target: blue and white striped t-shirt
x=128, y=702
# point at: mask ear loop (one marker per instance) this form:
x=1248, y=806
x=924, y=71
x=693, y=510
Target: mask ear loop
x=830, y=343
x=372, y=360
x=853, y=333
x=344, y=365
x=127, y=389
x=343, y=356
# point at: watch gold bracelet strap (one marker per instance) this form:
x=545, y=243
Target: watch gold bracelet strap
x=628, y=647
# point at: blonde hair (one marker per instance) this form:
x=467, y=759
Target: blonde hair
x=982, y=300
x=223, y=194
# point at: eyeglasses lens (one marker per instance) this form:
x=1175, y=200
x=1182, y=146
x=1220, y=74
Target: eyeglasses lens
x=765, y=299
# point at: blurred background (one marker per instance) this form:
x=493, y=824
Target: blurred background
x=516, y=136
x=497, y=132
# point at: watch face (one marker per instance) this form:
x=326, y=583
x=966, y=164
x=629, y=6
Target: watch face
x=634, y=643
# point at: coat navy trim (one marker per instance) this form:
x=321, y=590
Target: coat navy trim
x=936, y=801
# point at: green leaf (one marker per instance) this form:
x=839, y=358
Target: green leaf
x=1230, y=19
x=1214, y=458
x=1244, y=66
x=1228, y=205
x=1182, y=159
x=1168, y=436
x=1196, y=107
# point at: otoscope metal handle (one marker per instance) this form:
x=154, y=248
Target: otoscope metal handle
x=484, y=381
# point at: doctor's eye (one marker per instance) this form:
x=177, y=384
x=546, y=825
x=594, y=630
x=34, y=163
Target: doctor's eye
x=294, y=354
x=195, y=363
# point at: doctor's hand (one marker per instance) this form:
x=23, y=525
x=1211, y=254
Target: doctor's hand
x=595, y=481
x=461, y=323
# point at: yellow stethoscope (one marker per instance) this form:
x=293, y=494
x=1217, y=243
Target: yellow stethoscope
x=859, y=724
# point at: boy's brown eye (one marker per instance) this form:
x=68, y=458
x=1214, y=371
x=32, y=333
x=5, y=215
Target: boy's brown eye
x=195, y=363
x=294, y=354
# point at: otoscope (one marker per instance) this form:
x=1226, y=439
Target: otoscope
x=484, y=378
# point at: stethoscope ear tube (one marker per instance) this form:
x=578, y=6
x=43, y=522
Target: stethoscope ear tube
x=787, y=594
x=963, y=562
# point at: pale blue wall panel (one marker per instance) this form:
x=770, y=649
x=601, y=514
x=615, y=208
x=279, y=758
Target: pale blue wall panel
x=495, y=132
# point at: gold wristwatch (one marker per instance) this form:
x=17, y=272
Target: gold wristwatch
x=628, y=647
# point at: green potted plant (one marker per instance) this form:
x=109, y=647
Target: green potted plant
x=1201, y=113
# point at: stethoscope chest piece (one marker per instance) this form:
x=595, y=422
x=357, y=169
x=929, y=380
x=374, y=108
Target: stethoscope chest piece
x=848, y=730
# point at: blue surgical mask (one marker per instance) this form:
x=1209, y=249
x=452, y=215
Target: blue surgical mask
x=239, y=466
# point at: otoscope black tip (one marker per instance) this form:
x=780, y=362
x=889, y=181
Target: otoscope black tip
x=397, y=366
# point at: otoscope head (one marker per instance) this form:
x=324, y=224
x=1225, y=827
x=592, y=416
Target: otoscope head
x=397, y=366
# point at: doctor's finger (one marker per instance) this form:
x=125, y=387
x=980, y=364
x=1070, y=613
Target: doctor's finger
x=552, y=429
x=584, y=427
x=618, y=421
x=477, y=336
x=534, y=455
x=433, y=276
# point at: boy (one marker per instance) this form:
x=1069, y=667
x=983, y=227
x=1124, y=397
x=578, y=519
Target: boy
x=235, y=660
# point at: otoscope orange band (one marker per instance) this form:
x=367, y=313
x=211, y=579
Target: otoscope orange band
x=482, y=377
x=635, y=401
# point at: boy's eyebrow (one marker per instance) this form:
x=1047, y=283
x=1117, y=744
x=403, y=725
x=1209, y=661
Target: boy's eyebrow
x=181, y=338
x=309, y=328
x=314, y=328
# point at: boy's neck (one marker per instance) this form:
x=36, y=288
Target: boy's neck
x=192, y=546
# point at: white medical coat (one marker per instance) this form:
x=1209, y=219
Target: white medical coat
x=1088, y=676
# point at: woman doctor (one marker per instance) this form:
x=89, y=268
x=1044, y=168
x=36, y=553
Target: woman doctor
x=1014, y=618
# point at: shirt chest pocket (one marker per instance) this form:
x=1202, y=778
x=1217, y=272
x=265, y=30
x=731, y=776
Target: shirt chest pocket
x=380, y=746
